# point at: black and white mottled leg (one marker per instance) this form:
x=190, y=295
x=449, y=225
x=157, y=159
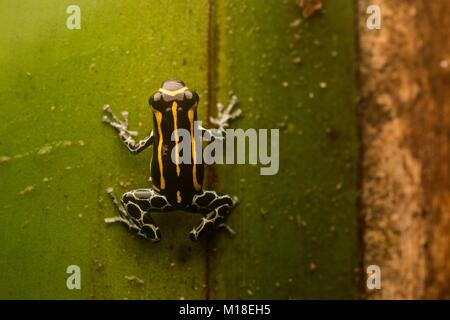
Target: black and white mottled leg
x=226, y=115
x=125, y=134
x=216, y=208
x=123, y=216
x=135, y=211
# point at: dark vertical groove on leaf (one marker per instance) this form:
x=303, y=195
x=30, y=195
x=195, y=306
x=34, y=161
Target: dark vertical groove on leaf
x=210, y=74
x=359, y=106
x=296, y=231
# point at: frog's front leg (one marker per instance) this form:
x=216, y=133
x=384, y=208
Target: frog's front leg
x=124, y=134
x=216, y=208
x=226, y=115
x=135, y=210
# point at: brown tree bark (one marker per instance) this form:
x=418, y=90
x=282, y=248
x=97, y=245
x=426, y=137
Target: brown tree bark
x=404, y=77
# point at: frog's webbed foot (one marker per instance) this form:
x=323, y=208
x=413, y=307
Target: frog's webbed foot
x=226, y=115
x=212, y=133
x=111, y=119
x=227, y=228
x=125, y=134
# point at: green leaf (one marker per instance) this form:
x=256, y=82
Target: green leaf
x=57, y=158
x=296, y=230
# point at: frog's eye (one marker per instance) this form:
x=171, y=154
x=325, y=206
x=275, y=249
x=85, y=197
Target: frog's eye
x=155, y=98
x=190, y=95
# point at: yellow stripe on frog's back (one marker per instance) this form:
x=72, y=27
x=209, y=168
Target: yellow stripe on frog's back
x=175, y=130
x=158, y=116
x=191, y=112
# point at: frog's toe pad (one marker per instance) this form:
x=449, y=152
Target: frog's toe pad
x=193, y=235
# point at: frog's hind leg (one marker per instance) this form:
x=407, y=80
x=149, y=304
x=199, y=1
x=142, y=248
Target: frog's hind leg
x=123, y=216
x=137, y=205
x=217, y=207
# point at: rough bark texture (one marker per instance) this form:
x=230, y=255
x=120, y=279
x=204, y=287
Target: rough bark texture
x=405, y=129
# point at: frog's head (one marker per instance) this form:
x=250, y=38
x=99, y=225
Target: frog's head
x=170, y=91
x=173, y=85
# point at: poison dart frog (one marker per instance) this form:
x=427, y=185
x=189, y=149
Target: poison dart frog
x=176, y=186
